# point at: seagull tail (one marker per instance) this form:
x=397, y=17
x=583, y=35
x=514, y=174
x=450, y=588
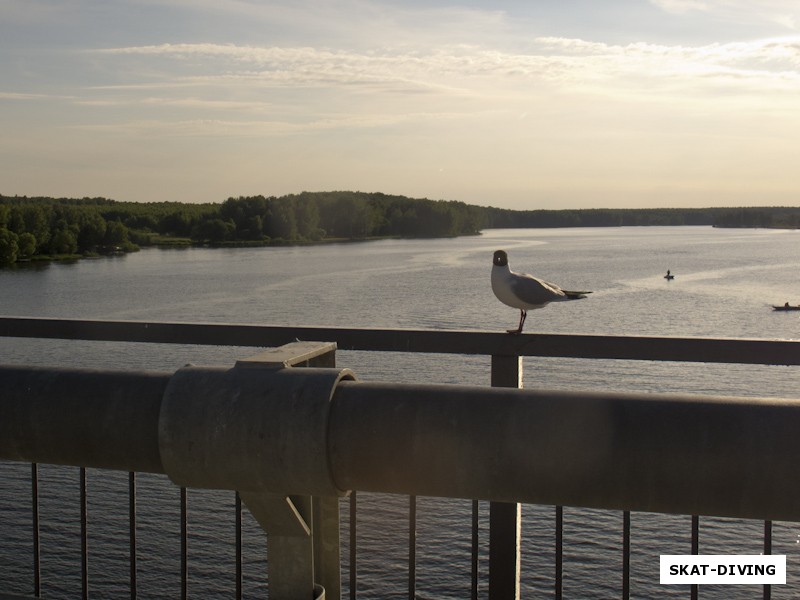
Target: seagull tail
x=575, y=295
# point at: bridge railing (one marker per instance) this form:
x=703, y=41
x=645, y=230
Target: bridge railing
x=678, y=454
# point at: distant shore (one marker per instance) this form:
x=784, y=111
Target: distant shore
x=59, y=229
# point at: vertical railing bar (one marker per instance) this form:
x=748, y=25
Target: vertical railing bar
x=184, y=547
x=695, y=550
x=767, y=552
x=559, y=549
x=37, y=573
x=504, y=517
x=412, y=547
x=475, y=525
x=132, y=531
x=353, y=546
x=626, y=555
x=84, y=538
x=238, y=511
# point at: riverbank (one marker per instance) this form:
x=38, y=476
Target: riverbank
x=63, y=228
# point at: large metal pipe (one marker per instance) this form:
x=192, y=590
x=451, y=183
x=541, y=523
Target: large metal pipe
x=104, y=419
x=689, y=455
x=314, y=432
x=250, y=429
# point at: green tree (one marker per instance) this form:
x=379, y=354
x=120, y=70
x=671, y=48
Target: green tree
x=307, y=217
x=26, y=245
x=232, y=210
x=247, y=214
x=8, y=247
x=16, y=220
x=348, y=216
x=178, y=223
x=37, y=222
x=147, y=222
x=281, y=222
x=253, y=229
x=92, y=233
x=116, y=235
x=214, y=231
x=63, y=241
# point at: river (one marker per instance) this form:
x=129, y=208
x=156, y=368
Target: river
x=725, y=281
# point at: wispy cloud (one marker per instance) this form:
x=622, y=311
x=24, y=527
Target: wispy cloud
x=744, y=66
x=230, y=82
x=756, y=59
x=259, y=129
x=785, y=13
x=18, y=96
x=681, y=6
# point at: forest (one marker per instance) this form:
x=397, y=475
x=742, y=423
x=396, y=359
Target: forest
x=766, y=217
x=56, y=228
x=40, y=228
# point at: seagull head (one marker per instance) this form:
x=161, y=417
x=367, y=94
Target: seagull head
x=500, y=258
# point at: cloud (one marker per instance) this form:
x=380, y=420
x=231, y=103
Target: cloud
x=259, y=129
x=24, y=96
x=784, y=13
x=681, y=6
x=248, y=90
x=745, y=66
x=436, y=71
x=550, y=58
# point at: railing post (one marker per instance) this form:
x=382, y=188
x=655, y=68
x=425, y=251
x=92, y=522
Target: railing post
x=238, y=512
x=694, y=589
x=353, y=540
x=84, y=537
x=184, y=501
x=132, y=533
x=37, y=571
x=767, y=552
x=412, y=547
x=325, y=528
x=303, y=542
x=505, y=518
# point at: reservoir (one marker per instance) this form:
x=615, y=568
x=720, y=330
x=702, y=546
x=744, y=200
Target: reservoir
x=725, y=283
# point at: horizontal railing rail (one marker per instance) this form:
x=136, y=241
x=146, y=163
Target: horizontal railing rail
x=715, y=350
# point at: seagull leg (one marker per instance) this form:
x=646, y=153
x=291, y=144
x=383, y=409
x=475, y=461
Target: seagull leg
x=522, y=315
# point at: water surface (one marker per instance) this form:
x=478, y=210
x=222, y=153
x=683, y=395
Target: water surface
x=725, y=282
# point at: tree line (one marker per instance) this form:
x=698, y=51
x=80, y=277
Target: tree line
x=46, y=227
x=772, y=217
x=337, y=215
x=43, y=228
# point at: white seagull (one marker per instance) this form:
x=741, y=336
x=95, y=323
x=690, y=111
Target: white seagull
x=523, y=291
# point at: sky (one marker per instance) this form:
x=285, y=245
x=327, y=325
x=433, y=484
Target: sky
x=510, y=103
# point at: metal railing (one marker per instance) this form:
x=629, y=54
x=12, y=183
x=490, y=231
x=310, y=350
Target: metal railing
x=622, y=456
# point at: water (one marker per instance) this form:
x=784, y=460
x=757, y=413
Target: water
x=725, y=282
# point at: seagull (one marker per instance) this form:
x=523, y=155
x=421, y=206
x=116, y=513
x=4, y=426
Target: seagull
x=523, y=291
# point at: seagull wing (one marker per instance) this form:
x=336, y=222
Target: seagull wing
x=534, y=291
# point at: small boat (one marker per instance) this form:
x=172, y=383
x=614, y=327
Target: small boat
x=786, y=306
x=669, y=276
